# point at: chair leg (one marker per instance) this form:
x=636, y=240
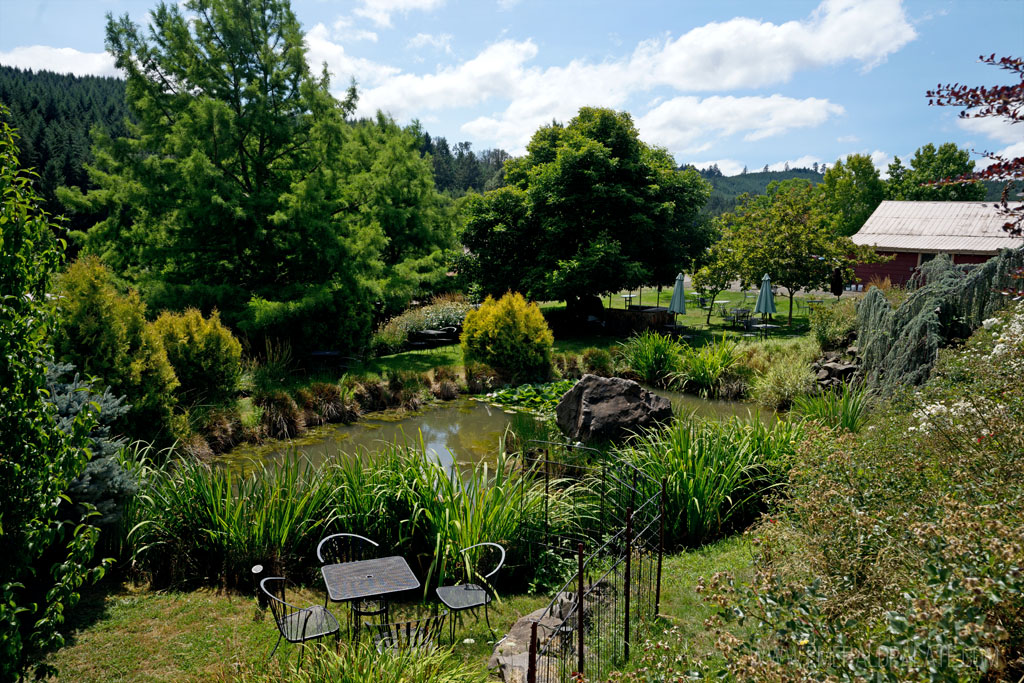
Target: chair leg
x=270, y=655
x=487, y=618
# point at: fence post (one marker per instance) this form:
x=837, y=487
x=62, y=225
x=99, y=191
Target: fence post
x=579, y=611
x=531, y=667
x=547, y=496
x=661, y=547
x=629, y=561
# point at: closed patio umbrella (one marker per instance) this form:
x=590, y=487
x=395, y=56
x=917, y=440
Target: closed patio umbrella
x=678, y=303
x=765, y=304
x=765, y=300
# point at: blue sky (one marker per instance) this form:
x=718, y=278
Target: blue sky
x=728, y=82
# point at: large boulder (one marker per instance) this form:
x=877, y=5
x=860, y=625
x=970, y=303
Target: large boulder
x=609, y=409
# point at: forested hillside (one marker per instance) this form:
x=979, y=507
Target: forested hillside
x=459, y=170
x=725, y=190
x=53, y=114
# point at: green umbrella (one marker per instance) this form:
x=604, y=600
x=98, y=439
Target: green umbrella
x=678, y=303
x=765, y=300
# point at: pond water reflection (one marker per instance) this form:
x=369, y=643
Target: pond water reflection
x=462, y=431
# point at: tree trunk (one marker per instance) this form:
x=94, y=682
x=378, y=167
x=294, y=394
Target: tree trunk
x=791, y=293
x=711, y=306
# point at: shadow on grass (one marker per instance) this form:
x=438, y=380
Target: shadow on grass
x=92, y=608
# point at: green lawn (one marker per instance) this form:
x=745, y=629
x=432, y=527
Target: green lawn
x=124, y=632
x=695, y=318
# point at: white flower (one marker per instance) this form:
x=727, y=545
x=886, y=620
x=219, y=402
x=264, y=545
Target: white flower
x=987, y=324
x=468, y=641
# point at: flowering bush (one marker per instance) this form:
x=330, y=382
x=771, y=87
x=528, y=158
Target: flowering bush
x=448, y=311
x=897, y=554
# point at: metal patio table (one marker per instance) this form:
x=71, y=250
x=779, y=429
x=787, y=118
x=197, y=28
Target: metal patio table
x=368, y=578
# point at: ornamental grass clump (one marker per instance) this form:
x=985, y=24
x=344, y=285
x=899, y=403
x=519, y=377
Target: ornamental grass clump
x=404, y=498
x=716, y=473
x=360, y=661
x=281, y=415
x=511, y=336
x=843, y=408
x=203, y=525
x=705, y=368
x=655, y=358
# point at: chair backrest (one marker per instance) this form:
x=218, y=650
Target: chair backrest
x=415, y=634
x=501, y=559
x=338, y=548
x=276, y=588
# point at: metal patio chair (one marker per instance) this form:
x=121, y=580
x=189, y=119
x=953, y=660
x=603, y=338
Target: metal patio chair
x=295, y=624
x=414, y=634
x=341, y=548
x=470, y=596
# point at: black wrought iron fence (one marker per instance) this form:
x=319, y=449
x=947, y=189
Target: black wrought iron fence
x=617, y=537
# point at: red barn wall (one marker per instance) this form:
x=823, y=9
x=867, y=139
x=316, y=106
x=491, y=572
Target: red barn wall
x=970, y=258
x=898, y=270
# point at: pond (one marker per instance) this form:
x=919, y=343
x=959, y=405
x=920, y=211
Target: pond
x=711, y=409
x=463, y=431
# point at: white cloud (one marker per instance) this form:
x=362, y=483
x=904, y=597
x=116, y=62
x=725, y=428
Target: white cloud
x=845, y=139
x=881, y=160
x=492, y=73
x=806, y=161
x=683, y=122
x=747, y=53
x=726, y=166
x=995, y=128
x=739, y=53
x=380, y=11
x=507, y=4
x=441, y=41
x=343, y=29
x=60, y=59
x=341, y=65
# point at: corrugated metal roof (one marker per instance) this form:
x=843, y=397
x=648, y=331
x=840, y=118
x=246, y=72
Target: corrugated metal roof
x=954, y=227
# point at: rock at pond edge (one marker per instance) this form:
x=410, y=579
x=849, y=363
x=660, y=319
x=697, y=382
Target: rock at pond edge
x=609, y=409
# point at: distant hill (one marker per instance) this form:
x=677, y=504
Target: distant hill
x=53, y=114
x=726, y=190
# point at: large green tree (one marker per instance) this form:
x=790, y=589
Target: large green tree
x=235, y=188
x=851, y=192
x=389, y=185
x=787, y=233
x=47, y=547
x=590, y=209
x=931, y=165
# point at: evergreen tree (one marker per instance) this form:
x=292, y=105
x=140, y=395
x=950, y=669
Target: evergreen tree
x=231, y=190
x=54, y=114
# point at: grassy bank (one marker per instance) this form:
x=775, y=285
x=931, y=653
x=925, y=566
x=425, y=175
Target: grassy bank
x=127, y=632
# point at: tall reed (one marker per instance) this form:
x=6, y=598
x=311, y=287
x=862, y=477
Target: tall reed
x=846, y=408
x=716, y=473
x=654, y=357
x=209, y=525
x=359, y=662
x=704, y=368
